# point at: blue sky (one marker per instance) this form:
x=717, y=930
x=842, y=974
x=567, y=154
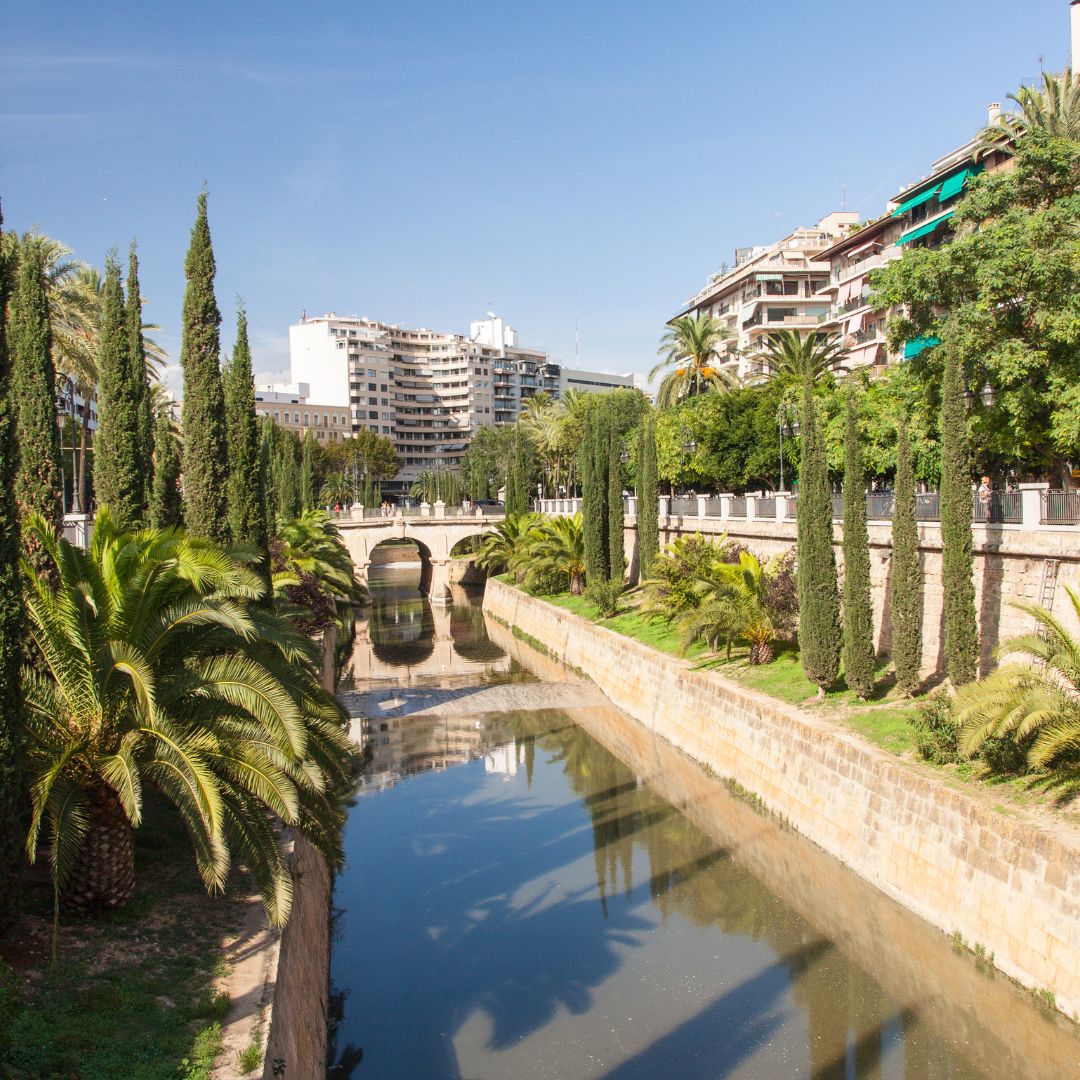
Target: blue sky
x=423, y=163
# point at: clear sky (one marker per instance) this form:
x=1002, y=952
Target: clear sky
x=423, y=163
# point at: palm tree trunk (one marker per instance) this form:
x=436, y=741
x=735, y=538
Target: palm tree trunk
x=103, y=875
x=577, y=584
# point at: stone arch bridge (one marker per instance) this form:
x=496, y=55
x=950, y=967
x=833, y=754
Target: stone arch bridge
x=435, y=537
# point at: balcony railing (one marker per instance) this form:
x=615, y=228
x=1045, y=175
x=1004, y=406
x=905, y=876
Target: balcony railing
x=684, y=506
x=737, y=507
x=1000, y=508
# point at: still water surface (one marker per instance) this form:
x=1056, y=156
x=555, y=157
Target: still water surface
x=520, y=901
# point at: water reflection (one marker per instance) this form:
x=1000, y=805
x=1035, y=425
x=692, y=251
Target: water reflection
x=556, y=909
x=401, y=637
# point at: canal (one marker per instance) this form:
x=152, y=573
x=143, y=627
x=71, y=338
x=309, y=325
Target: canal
x=536, y=887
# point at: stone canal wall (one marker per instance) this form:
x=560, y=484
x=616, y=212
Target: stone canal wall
x=1001, y=883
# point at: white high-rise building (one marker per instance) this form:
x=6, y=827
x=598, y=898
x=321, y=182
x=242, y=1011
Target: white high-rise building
x=427, y=391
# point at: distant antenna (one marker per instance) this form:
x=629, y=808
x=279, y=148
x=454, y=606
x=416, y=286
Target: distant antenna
x=843, y=197
x=1041, y=59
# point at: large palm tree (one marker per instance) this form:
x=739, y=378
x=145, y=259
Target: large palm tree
x=505, y=547
x=1053, y=109
x=1036, y=703
x=800, y=361
x=693, y=348
x=151, y=661
x=557, y=546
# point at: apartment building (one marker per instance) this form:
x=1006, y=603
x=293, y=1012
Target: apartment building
x=777, y=287
x=290, y=406
x=593, y=382
x=429, y=392
x=917, y=216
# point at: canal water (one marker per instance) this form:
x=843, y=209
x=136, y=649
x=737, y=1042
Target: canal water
x=536, y=887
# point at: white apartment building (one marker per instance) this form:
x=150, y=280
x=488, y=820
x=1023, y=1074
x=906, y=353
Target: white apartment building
x=778, y=287
x=428, y=391
x=593, y=382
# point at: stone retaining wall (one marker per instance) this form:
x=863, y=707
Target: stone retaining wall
x=1001, y=883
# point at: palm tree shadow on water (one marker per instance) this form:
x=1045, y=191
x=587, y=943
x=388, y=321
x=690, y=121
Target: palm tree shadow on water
x=487, y=925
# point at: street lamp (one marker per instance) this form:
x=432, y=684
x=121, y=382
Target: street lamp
x=783, y=416
x=687, y=447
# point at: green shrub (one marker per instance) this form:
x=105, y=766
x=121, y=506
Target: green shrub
x=934, y=730
x=545, y=581
x=1004, y=756
x=605, y=595
x=675, y=574
x=250, y=1058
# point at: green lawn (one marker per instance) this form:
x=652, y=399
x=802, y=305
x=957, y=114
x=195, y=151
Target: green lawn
x=877, y=720
x=131, y=996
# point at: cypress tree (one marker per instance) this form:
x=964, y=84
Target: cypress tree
x=648, y=526
x=205, y=461
x=517, y=478
x=247, y=514
x=819, y=600
x=166, y=500
x=616, y=552
x=287, y=475
x=905, y=585
x=11, y=621
x=118, y=466
x=307, y=472
x=594, y=483
x=139, y=377
x=266, y=467
x=33, y=389
x=961, y=630
x=858, y=612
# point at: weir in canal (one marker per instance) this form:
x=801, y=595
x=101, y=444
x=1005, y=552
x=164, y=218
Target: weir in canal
x=535, y=886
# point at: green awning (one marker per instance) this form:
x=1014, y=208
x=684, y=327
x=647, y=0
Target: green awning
x=954, y=185
x=919, y=344
x=918, y=200
x=924, y=230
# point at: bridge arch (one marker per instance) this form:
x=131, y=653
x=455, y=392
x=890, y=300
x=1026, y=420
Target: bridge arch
x=434, y=536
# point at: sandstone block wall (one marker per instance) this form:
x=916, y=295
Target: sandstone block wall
x=1002, y=883
x=1010, y=563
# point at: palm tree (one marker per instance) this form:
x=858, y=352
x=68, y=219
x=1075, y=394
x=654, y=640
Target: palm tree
x=692, y=345
x=152, y=662
x=311, y=570
x=505, y=548
x=1035, y=703
x=557, y=546
x=733, y=605
x=801, y=361
x=336, y=490
x=1054, y=110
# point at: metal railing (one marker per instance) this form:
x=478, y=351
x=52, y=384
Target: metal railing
x=999, y=508
x=879, y=506
x=928, y=506
x=765, y=506
x=838, y=506
x=1059, y=508
x=684, y=505
x=737, y=506
x=713, y=506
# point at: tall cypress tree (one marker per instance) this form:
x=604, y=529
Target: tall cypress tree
x=119, y=471
x=858, y=612
x=166, y=501
x=287, y=475
x=648, y=526
x=139, y=380
x=205, y=460
x=307, y=472
x=11, y=621
x=33, y=389
x=905, y=584
x=616, y=547
x=517, y=478
x=961, y=629
x=266, y=467
x=247, y=515
x=819, y=599
x=594, y=486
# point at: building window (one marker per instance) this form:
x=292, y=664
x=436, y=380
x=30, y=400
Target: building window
x=277, y=415
x=386, y=430
x=286, y=418
x=306, y=421
x=373, y=416
x=371, y=373
x=372, y=387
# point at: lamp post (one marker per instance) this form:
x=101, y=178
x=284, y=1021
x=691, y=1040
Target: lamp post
x=687, y=446
x=783, y=416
